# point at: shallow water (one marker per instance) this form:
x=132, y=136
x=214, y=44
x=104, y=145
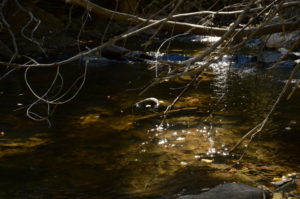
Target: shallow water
x=101, y=146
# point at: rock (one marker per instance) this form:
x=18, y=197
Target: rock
x=114, y=52
x=254, y=43
x=243, y=59
x=231, y=191
x=291, y=55
x=173, y=57
x=281, y=40
x=288, y=65
x=117, y=54
x=99, y=60
x=269, y=56
x=287, y=183
x=138, y=56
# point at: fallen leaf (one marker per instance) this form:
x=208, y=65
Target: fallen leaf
x=207, y=160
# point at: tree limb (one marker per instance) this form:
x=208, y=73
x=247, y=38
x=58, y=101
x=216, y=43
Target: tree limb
x=181, y=26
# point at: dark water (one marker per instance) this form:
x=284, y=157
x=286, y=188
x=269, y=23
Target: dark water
x=101, y=146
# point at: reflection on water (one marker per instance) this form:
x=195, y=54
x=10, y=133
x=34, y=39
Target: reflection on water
x=101, y=146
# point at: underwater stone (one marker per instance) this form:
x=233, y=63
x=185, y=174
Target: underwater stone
x=173, y=57
x=269, y=56
x=231, y=191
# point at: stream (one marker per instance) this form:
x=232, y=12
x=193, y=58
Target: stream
x=101, y=146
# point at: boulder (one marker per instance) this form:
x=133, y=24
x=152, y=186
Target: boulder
x=231, y=191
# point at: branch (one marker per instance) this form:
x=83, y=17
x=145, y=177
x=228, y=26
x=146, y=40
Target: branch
x=12, y=35
x=36, y=25
x=225, y=36
x=236, y=12
x=258, y=128
x=88, y=52
x=181, y=26
x=192, y=28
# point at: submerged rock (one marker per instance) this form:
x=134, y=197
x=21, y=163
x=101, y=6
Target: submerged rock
x=243, y=59
x=97, y=59
x=254, y=43
x=287, y=65
x=231, y=191
x=173, y=57
x=269, y=56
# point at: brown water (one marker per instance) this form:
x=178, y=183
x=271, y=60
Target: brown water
x=101, y=146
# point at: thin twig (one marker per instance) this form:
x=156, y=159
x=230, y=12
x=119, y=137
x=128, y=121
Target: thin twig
x=259, y=127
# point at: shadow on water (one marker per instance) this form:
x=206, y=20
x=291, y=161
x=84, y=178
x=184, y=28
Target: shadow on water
x=101, y=146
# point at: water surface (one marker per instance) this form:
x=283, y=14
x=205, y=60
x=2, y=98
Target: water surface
x=101, y=146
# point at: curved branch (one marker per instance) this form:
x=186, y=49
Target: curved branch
x=8, y=27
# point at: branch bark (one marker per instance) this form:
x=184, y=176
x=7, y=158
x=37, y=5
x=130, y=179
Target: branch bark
x=185, y=27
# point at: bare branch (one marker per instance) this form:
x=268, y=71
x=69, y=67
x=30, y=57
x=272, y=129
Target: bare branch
x=37, y=24
x=258, y=128
x=6, y=24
